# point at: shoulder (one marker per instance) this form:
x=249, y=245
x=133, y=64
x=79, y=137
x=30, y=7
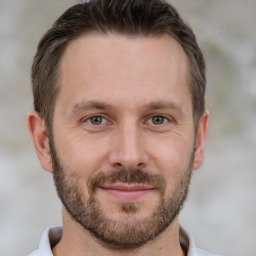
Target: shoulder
x=201, y=252
x=188, y=243
x=35, y=253
x=51, y=237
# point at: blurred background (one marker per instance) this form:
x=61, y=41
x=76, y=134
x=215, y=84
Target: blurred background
x=221, y=209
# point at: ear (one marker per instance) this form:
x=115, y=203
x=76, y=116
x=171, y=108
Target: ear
x=200, y=140
x=37, y=130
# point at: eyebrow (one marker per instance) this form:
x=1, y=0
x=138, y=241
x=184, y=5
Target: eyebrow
x=87, y=105
x=164, y=105
x=175, y=106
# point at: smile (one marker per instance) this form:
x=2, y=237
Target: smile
x=127, y=192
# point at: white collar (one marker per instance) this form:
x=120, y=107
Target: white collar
x=52, y=236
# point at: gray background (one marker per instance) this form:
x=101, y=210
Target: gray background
x=221, y=209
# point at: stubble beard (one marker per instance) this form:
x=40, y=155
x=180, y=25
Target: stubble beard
x=127, y=232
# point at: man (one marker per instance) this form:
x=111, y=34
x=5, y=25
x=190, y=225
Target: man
x=120, y=121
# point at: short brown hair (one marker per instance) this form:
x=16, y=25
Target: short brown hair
x=126, y=17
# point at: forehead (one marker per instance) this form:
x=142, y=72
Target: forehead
x=103, y=49
x=120, y=67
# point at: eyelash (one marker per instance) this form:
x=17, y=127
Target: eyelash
x=163, y=117
x=89, y=119
x=149, y=121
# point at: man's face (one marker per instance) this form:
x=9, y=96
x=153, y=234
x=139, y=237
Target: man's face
x=123, y=136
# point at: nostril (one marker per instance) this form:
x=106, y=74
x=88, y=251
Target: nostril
x=140, y=165
x=118, y=165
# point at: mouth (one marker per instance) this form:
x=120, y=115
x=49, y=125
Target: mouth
x=127, y=192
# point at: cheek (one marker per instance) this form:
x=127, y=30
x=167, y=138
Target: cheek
x=171, y=156
x=82, y=155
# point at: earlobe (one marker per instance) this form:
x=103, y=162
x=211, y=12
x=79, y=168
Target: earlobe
x=200, y=140
x=37, y=130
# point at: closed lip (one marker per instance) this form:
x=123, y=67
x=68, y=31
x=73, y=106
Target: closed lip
x=128, y=187
x=127, y=192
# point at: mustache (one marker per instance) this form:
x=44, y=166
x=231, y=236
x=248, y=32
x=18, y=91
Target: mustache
x=137, y=176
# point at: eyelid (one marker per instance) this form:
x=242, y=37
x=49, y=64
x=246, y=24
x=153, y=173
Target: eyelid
x=88, y=126
x=87, y=119
x=107, y=121
x=167, y=117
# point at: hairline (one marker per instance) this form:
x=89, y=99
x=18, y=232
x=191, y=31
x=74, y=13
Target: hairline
x=57, y=76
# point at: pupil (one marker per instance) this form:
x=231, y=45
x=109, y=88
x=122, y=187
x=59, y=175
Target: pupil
x=158, y=120
x=96, y=120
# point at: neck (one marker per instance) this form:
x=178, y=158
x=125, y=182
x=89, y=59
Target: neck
x=76, y=241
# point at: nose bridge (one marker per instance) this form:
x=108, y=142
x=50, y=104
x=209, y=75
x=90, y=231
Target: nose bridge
x=128, y=149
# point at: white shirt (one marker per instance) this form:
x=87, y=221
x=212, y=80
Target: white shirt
x=52, y=236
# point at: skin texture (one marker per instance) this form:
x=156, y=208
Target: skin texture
x=137, y=91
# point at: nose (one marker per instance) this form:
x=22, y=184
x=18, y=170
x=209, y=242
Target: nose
x=128, y=148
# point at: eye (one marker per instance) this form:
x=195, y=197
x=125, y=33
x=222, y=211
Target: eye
x=96, y=120
x=158, y=120
x=96, y=123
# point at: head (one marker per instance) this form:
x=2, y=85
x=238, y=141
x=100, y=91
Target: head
x=148, y=18
x=119, y=116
